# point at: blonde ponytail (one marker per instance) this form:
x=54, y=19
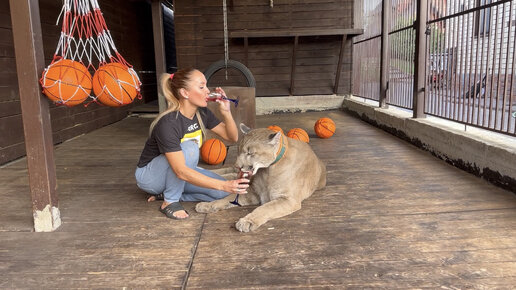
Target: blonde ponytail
x=170, y=88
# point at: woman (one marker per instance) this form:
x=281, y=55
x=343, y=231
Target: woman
x=168, y=163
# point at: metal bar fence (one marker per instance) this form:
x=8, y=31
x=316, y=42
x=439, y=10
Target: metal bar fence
x=471, y=62
x=402, y=39
x=471, y=59
x=366, y=68
x=366, y=53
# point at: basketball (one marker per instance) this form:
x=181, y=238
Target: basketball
x=324, y=128
x=299, y=134
x=66, y=82
x=213, y=151
x=115, y=84
x=275, y=128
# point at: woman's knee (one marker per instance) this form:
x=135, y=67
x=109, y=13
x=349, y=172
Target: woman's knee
x=191, y=153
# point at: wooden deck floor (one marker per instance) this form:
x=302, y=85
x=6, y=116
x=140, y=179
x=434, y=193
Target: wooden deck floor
x=391, y=216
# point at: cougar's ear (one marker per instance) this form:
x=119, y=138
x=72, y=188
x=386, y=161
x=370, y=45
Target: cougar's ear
x=275, y=138
x=244, y=128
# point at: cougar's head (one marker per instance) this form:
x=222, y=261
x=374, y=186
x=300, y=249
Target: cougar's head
x=257, y=149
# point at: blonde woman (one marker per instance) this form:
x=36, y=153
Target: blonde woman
x=168, y=163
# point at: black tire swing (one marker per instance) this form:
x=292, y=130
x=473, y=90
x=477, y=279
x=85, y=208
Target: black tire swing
x=221, y=64
x=226, y=62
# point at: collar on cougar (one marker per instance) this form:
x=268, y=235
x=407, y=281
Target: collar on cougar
x=282, y=149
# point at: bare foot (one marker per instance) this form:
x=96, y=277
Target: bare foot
x=152, y=197
x=180, y=214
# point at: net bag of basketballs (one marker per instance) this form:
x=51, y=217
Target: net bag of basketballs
x=86, y=63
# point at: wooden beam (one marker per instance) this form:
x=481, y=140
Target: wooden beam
x=293, y=32
x=293, y=67
x=159, y=48
x=339, y=64
x=418, y=107
x=28, y=47
x=246, y=51
x=358, y=14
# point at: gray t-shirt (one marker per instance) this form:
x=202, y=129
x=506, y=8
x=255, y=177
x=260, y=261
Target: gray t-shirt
x=173, y=129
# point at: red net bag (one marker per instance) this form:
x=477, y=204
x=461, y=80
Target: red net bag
x=86, y=60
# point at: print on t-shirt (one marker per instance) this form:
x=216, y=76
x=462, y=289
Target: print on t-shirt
x=196, y=135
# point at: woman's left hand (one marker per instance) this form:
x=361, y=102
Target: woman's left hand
x=224, y=105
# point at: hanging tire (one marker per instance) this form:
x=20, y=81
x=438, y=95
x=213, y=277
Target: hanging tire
x=218, y=65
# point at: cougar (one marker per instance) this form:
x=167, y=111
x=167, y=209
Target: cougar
x=282, y=172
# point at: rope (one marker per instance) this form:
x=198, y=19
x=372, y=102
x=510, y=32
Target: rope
x=226, y=46
x=84, y=34
x=85, y=38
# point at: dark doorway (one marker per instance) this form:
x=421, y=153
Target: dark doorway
x=169, y=37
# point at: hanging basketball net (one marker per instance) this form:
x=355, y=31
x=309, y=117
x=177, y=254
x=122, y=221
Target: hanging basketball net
x=85, y=46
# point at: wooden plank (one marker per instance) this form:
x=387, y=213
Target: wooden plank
x=6, y=50
x=293, y=65
x=5, y=19
x=7, y=79
x=12, y=129
x=11, y=152
x=9, y=108
x=82, y=256
x=299, y=32
x=246, y=51
x=424, y=224
x=339, y=65
x=6, y=36
x=28, y=45
x=358, y=14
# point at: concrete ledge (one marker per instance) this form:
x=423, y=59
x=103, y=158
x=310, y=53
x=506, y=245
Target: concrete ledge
x=295, y=104
x=486, y=154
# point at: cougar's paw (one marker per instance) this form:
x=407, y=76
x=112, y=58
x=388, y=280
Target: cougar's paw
x=246, y=225
x=205, y=207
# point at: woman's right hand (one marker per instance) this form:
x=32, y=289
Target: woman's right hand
x=237, y=186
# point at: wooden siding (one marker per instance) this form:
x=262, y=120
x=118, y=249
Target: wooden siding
x=200, y=42
x=129, y=24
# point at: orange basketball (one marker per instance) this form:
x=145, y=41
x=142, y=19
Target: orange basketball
x=115, y=84
x=66, y=82
x=299, y=134
x=275, y=128
x=324, y=128
x=213, y=151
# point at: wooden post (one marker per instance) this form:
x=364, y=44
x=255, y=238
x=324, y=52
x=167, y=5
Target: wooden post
x=30, y=62
x=159, y=49
x=246, y=51
x=418, y=109
x=384, y=56
x=293, y=67
x=358, y=14
x=339, y=64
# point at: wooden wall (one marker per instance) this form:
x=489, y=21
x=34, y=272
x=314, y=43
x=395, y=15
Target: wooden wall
x=131, y=28
x=200, y=30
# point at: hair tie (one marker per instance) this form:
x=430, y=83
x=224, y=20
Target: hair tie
x=171, y=76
